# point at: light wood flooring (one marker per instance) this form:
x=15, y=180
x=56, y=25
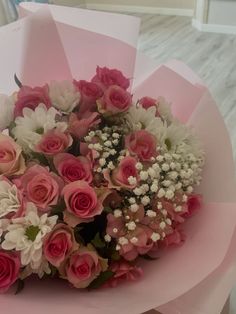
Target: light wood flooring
x=212, y=56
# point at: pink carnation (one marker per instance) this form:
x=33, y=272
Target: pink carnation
x=194, y=204
x=29, y=97
x=107, y=77
x=79, y=125
x=123, y=271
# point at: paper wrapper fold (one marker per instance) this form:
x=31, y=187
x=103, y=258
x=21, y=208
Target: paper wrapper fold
x=195, y=278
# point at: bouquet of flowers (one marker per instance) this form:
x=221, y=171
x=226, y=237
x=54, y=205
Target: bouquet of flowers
x=101, y=174
x=90, y=181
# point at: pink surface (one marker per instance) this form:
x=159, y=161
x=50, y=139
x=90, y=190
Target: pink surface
x=209, y=233
x=43, y=55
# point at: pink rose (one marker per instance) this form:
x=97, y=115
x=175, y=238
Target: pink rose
x=125, y=175
x=80, y=125
x=89, y=92
x=123, y=271
x=106, y=77
x=72, y=168
x=142, y=144
x=11, y=159
x=9, y=270
x=194, y=204
x=147, y=102
x=54, y=142
x=28, y=97
x=82, y=267
x=40, y=187
x=58, y=244
x=115, y=100
x=82, y=201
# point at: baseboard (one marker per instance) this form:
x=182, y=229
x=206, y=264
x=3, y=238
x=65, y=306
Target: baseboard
x=214, y=28
x=140, y=9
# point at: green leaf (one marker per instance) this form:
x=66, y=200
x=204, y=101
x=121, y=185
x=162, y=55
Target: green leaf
x=97, y=242
x=17, y=81
x=149, y=258
x=53, y=271
x=101, y=279
x=108, y=210
x=20, y=286
x=115, y=256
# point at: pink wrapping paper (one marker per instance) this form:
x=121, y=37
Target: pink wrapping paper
x=182, y=275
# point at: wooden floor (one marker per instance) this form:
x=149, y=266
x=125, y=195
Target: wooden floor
x=211, y=56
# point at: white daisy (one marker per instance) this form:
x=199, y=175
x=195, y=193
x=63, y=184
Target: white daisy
x=26, y=235
x=4, y=223
x=6, y=108
x=164, y=109
x=43, y=268
x=34, y=123
x=64, y=95
x=169, y=137
x=139, y=118
x=9, y=202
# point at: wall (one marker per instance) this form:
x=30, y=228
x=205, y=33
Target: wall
x=222, y=12
x=180, y=4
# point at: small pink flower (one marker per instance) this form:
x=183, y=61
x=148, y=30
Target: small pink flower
x=147, y=102
x=123, y=271
x=141, y=144
x=29, y=97
x=58, y=244
x=115, y=100
x=11, y=159
x=194, y=204
x=82, y=202
x=120, y=176
x=82, y=267
x=54, y=142
x=72, y=168
x=107, y=77
x=176, y=238
x=90, y=93
x=40, y=187
x=79, y=125
x=9, y=269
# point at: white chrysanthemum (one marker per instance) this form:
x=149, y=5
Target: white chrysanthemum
x=164, y=109
x=26, y=235
x=64, y=95
x=169, y=137
x=4, y=223
x=43, y=268
x=139, y=118
x=9, y=202
x=6, y=109
x=34, y=123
